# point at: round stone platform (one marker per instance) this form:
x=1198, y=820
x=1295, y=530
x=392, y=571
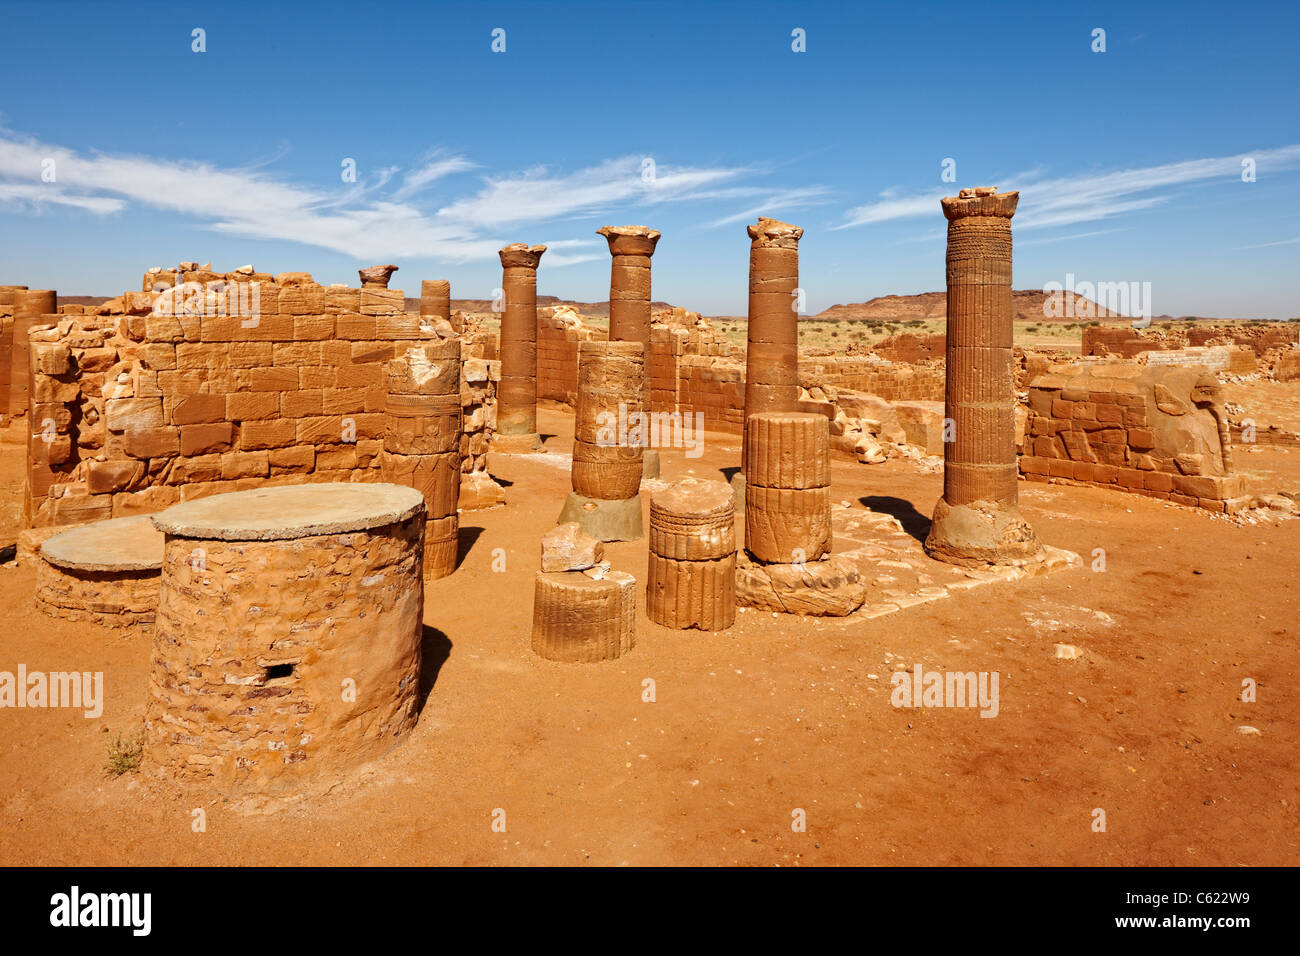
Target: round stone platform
x=106, y=572
x=291, y=511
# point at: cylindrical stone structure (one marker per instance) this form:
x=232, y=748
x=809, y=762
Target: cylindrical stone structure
x=517, y=391
x=435, y=301
x=772, y=335
x=288, y=636
x=581, y=618
x=629, y=282
x=607, y=420
x=105, y=572
x=7, y=293
x=787, y=487
x=691, y=581
x=610, y=428
x=631, y=248
x=977, y=520
x=30, y=305
x=423, y=422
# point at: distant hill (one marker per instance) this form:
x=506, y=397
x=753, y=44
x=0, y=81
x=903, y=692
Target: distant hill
x=485, y=305
x=1026, y=304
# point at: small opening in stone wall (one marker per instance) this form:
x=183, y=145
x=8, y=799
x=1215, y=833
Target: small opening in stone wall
x=278, y=672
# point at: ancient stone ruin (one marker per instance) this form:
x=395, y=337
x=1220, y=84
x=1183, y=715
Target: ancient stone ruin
x=691, y=579
x=607, y=447
x=977, y=519
x=262, y=475
x=288, y=637
x=517, y=395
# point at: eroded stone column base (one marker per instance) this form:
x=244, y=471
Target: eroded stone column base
x=834, y=587
x=526, y=444
x=738, y=488
x=581, y=619
x=478, y=491
x=605, y=520
x=982, y=533
x=650, y=463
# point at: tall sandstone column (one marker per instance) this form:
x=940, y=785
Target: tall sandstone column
x=629, y=298
x=977, y=520
x=772, y=347
x=517, y=397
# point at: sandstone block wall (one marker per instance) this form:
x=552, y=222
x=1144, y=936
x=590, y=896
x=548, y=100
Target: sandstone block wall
x=1128, y=342
x=159, y=398
x=559, y=333
x=1156, y=431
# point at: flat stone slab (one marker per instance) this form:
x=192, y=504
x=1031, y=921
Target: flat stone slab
x=876, y=568
x=119, y=544
x=291, y=511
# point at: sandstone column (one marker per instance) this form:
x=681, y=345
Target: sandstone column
x=629, y=297
x=787, y=487
x=423, y=424
x=435, y=301
x=772, y=338
x=609, y=425
x=691, y=579
x=629, y=282
x=977, y=520
x=29, y=306
x=517, y=397
x=7, y=294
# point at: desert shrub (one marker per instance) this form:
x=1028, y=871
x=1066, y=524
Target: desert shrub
x=124, y=754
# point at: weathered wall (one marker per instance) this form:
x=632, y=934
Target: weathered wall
x=163, y=399
x=1157, y=431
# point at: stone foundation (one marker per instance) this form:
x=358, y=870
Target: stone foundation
x=288, y=637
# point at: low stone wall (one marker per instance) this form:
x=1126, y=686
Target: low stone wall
x=1156, y=431
x=1128, y=342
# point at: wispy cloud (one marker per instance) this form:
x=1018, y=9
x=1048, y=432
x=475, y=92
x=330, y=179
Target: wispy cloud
x=436, y=166
x=1266, y=245
x=774, y=203
x=369, y=219
x=1075, y=235
x=1087, y=198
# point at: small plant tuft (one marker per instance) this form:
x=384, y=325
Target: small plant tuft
x=124, y=754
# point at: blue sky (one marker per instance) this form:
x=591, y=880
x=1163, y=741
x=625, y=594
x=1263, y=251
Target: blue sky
x=1129, y=161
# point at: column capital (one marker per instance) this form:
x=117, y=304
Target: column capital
x=521, y=254
x=980, y=201
x=774, y=232
x=376, y=277
x=630, y=240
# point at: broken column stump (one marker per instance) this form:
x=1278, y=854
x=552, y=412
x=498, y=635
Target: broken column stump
x=435, y=302
x=579, y=617
x=787, y=487
x=608, y=445
x=691, y=581
x=422, y=437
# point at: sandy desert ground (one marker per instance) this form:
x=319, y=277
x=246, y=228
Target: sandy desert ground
x=776, y=714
